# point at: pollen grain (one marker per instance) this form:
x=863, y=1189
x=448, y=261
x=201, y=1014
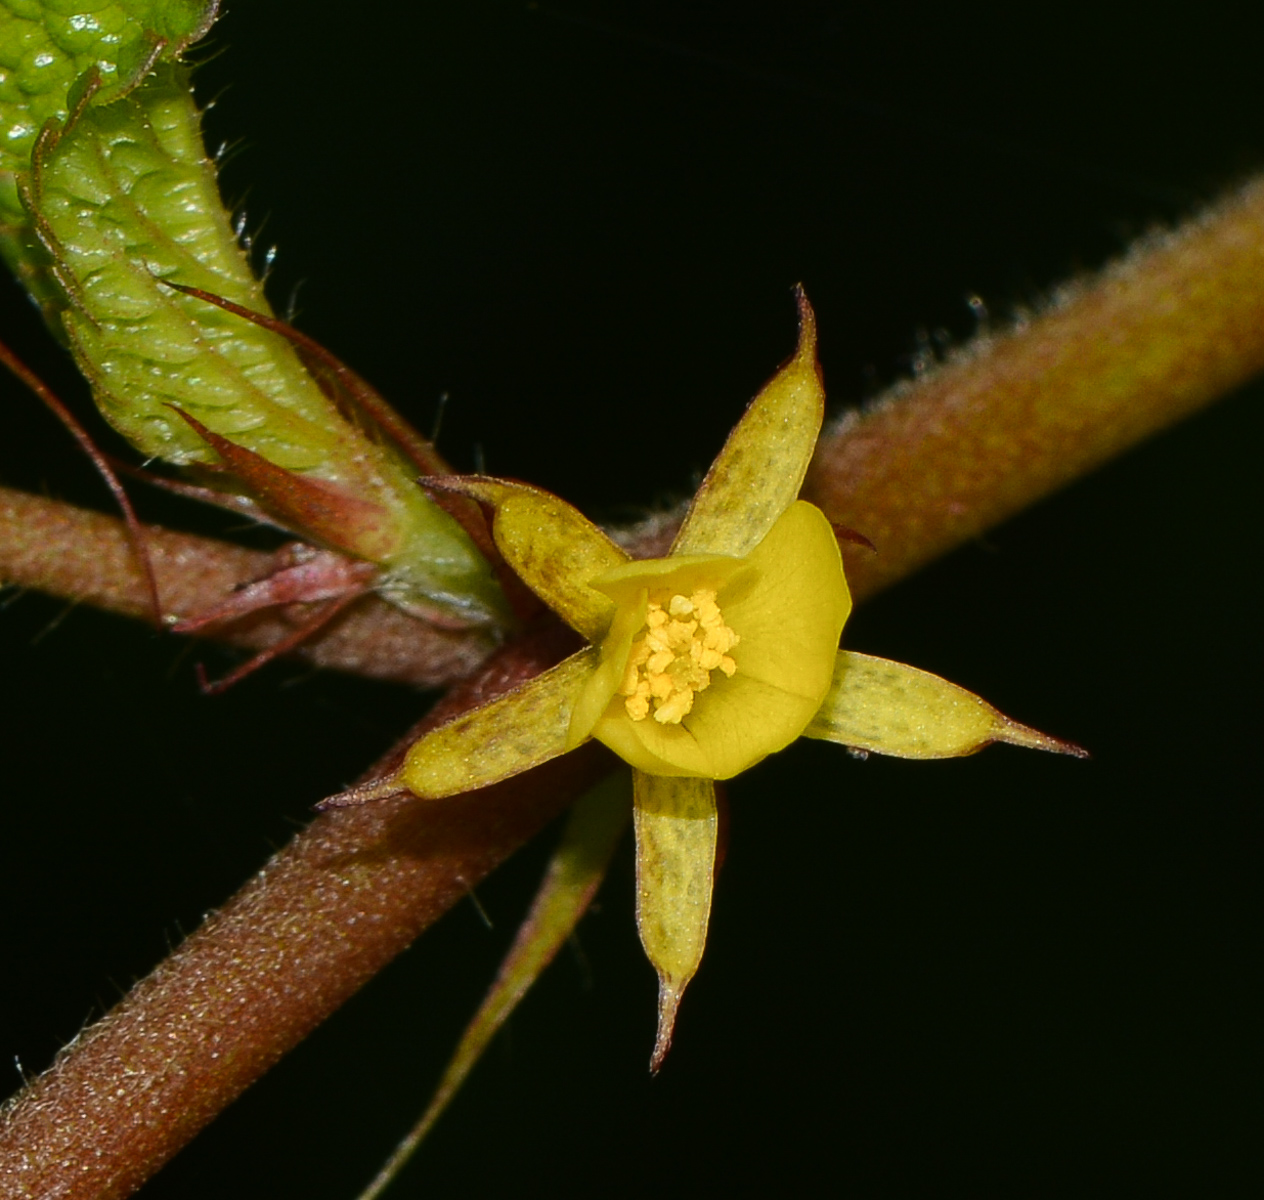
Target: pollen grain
x=683, y=641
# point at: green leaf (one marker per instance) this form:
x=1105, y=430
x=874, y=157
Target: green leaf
x=47, y=47
x=120, y=197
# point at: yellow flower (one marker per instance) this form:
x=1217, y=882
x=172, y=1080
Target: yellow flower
x=713, y=662
x=699, y=664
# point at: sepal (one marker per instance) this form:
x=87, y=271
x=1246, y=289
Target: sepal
x=677, y=828
x=890, y=708
x=516, y=731
x=760, y=470
x=570, y=882
x=551, y=546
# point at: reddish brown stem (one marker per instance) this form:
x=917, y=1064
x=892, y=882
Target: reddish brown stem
x=85, y=556
x=135, y=534
x=312, y=927
x=1014, y=417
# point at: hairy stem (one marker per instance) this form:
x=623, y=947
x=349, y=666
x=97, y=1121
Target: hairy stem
x=1013, y=417
x=85, y=556
x=318, y=921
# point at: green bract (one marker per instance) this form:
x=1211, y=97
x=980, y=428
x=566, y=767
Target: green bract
x=49, y=46
x=107, y=196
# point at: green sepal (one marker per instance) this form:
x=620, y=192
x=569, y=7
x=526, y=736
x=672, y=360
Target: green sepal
x=552, y=547
x=890, y=708
x=760, y=470
x=570, y=882
x=516, y=731
x=677, y=829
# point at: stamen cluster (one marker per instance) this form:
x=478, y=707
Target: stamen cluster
x=683, y=641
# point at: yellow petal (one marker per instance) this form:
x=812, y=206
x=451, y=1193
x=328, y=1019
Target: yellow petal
x=676, y=829
x=787, y=602
x=890, y=708
x=791, y=615
x=760, y=470
x=599, y=688
x=628, y=585
x=516, y=731
x=571, y=880
x=551, y=546
x=681, y=573
x=734, y=724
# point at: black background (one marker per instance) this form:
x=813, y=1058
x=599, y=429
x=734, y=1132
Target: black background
x=1013, y=974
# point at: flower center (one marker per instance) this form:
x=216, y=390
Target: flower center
x=684, y=640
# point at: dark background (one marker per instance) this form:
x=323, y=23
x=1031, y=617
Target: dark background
x=1009, y=975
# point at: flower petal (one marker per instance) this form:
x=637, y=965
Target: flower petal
x=890, y=708
x=787, y=601
x=551, y=546
x=792, y=615
x=733, y=725
x=599, y=712
x=599, y=688
x=676, y=830
x=512, y=733
x=680, y=573
x=761, y=468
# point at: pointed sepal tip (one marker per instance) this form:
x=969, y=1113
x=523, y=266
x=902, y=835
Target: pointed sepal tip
x=1014, y=734
x=668, y=1005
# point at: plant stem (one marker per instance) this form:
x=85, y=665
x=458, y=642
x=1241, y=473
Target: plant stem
x=1005, y=422
x=1012, y=417
x=315, y=924
x=85, y=556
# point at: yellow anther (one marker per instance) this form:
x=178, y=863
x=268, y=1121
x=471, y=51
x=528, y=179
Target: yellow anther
x=672, y=709
x=638, y=707
x=684, y=640
x=680, y=607
x=659, y=662
x=680, y=633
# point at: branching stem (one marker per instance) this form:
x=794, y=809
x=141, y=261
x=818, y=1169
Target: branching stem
x=1176, y=324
